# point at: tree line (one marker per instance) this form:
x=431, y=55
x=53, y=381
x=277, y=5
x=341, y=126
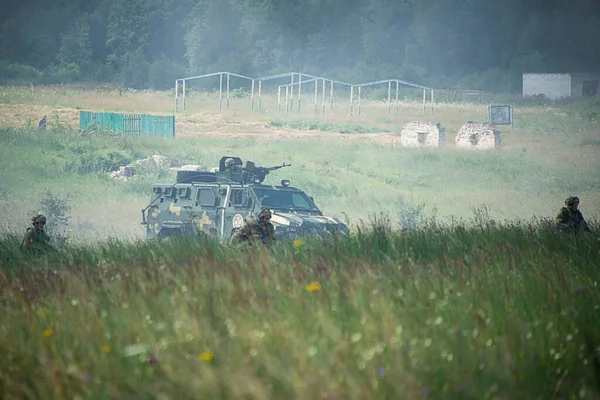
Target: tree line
x=475, y=44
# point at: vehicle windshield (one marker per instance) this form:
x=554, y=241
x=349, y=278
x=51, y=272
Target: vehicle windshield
x=285, y=199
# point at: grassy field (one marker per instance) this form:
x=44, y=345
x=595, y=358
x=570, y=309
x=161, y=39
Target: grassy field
x=551, y=153
x=440, y=313
x=450, y=308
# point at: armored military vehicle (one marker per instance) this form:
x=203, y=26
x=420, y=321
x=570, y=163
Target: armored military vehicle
x=216, y=202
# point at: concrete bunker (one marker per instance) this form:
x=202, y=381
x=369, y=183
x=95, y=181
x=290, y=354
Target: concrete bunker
x=478, y=136
x=423, y=134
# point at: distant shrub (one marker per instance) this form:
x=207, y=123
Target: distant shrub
x=56, y=208
x=277, y=123
x=59, y=74
x=101, y=161
x=410, y=214
x=588, y=109
x=12, y=72
x=239, y=93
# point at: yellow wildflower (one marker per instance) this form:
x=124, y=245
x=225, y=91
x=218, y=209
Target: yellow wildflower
x=207, y=356
x=313, y=287
x=106, y=348
x=297, y=244
x=48, y=332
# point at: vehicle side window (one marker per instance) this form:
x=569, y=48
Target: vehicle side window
x=183, y=193
x=239, y=198
x=205, y=197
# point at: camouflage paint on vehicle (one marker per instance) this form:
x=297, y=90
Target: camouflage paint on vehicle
x=216, y=205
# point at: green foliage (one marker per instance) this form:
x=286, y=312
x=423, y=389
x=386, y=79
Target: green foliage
x=588, y=109
x=215, y=39
x=440, y=43
x=56, y=208
x=492, y=80
x=135, y=70
x=100, y=161
x=163, y=72
x=75, y=46
x=444, y=311
x=319, y=125
x=410, y=215
x=11, y=72
x=69, y=72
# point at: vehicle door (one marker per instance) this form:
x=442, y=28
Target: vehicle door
x=206, y=210
x=238, y=206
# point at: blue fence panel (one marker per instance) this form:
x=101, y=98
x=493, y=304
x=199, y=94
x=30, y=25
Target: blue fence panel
x=130, y=124
x=158, y=126
x=85, y=119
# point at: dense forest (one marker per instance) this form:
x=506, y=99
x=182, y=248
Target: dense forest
x=475, y=44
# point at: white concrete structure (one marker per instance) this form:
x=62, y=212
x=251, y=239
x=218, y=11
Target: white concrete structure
x=560, y=86
x=422, y=134
x=155, y=161
x=478, y=136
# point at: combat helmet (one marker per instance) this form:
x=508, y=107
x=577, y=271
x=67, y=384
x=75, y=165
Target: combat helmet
x=265, y=212
x=249, y=220
x=571, y=200
x=229, y=162
x=39, y=218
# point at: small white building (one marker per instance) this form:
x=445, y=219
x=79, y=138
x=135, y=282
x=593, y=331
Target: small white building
x=560, y=86
x=478, y=136
x=422, y=134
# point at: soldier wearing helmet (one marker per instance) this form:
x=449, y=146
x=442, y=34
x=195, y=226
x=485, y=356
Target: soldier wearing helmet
x=570, y=219
x=253, y=230
x=36, y=239
x=230, y=165
x=268, y=230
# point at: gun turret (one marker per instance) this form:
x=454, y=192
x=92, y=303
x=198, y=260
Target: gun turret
x=258, y=174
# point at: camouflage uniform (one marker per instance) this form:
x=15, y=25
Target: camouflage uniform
x=36, y=240
x=252, y=230
x=571, y=220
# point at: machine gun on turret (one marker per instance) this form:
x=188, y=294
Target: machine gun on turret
x=257, y=174
x=250, y=174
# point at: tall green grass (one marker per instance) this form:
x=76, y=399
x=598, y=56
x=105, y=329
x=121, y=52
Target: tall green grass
x=443, y=312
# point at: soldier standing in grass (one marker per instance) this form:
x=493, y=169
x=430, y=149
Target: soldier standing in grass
x=570, y=219
x=261, y=230
x=42, y=123
x=36, y=239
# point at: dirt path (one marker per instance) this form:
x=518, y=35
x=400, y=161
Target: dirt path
x=191, y=126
